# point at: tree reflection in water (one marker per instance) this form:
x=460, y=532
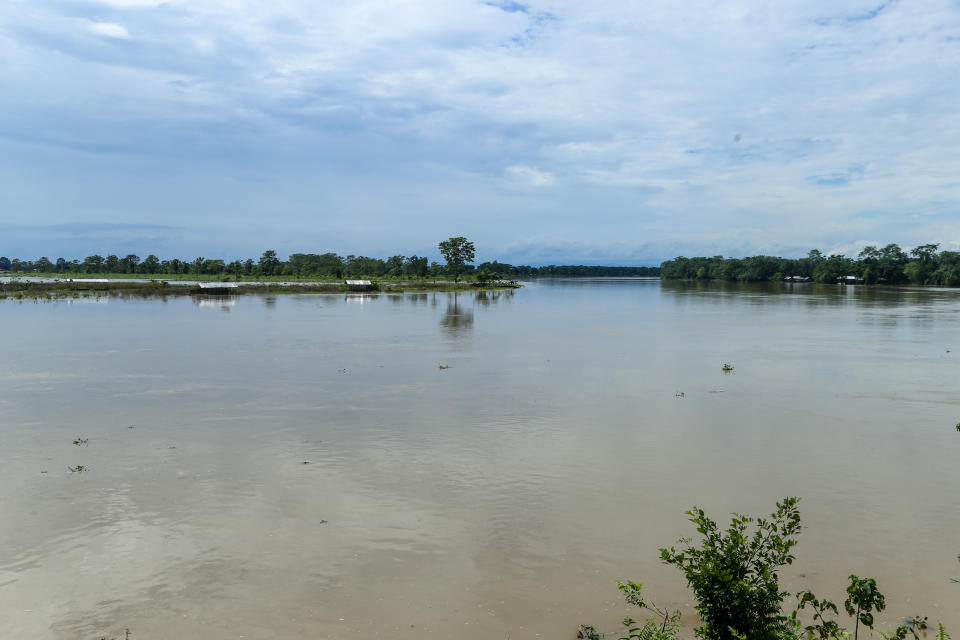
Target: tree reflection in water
x=458, y=318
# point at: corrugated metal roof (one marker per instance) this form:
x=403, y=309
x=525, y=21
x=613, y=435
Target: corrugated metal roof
x=358, y=283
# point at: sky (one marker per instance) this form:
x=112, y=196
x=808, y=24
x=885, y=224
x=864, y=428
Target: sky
x=602, y=132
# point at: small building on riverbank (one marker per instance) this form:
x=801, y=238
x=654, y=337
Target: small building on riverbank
x=215, y=288
x=850, y=280
x=360, y=285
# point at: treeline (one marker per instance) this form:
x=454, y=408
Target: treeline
x=269, y=264
x=300, y=265
x=889, y=265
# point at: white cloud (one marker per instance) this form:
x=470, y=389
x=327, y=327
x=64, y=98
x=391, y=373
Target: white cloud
x=107, y=29
x=846, y=120
x=530, y=175
x=137, y=4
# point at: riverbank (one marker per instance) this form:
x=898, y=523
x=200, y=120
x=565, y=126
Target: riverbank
x=217, y=277
x=20, y=288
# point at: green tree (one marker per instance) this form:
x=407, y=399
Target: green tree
x=862, y=598
x=394, y=265
x=415, y=266
x=151, y=264
x=869, y=259
x=269, y=263
x=925, y=252
x=833, y=268
x=212, y=267
x=93, y=264
x=484, y=277
x=925, y=263
x=457, y=252
x=733, y=573
x=129, y=263
x=891, y=263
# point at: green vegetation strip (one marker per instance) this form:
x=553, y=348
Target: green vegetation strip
x=923, y=265
x=81, y=288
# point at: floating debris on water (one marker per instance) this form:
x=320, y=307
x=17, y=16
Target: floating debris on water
x=444, y=366
x=680, y=394
x=587, y=632
x=78, y=469
x=727, y=368
x=82, y=441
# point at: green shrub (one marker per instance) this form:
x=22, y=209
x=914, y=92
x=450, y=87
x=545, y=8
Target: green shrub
x=734, y=573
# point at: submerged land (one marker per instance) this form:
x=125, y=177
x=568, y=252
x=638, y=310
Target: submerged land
x=85, y=287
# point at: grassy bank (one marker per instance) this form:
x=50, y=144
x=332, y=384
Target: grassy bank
x=206, y=277
x=86, y=288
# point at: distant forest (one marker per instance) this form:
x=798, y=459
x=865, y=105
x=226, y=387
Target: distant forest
x=299, y=265
x=889, y=264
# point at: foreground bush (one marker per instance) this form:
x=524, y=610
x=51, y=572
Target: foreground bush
x=734, y=576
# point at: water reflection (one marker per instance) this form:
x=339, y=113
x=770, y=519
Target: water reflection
x=486, y=298
x=871, y=305
x=224, y=303
x=457, y=320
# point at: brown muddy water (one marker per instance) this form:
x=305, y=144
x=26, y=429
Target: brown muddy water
x=302, y=466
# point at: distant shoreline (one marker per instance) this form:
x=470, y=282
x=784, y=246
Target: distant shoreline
x=85, y=287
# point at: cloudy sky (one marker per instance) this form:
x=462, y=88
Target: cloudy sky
x=559, y=131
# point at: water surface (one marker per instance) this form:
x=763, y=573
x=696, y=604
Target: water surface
x=462, y=466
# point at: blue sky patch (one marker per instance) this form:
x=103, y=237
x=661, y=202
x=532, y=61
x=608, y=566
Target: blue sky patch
x=616, y=132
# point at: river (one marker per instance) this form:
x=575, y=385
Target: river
x=472, y=466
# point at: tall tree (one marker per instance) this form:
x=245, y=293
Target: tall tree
x=151, y=264
x=129, y=263
x=415, y=266
x=93, y=264
x=457, y=252
x=269, y=262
